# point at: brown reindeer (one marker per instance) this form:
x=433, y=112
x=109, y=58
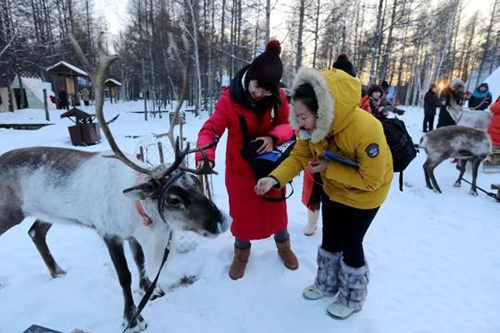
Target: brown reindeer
x=464, y=143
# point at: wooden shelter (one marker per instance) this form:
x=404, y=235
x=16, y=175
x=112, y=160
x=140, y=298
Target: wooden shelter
x=113, y=87
x=64, y=77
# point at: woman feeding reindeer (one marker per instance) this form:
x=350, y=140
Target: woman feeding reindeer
x=327, y=114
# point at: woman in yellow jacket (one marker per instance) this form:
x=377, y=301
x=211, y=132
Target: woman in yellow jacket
x=327, y=115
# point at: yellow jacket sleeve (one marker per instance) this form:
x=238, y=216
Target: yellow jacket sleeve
x=293, y=164
x=373, y=155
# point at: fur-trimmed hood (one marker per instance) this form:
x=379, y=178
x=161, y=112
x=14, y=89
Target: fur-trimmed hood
x=456, y=83
x=338, y=95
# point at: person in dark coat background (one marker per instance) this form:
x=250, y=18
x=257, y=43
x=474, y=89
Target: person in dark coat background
x=62, y=97
x=431, y=102
x=455, y=92
x=481, y=98
x=377, y=107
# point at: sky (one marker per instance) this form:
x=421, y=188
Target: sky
x=115, y=11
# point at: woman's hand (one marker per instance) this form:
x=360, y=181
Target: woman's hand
x=317, y=166
x=267, y=146
x=264, y=185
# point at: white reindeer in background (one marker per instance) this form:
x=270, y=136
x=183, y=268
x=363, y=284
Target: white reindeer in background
x=478, y=119
x=118, y=198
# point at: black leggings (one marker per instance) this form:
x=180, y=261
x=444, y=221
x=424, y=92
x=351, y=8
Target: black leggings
x=344, y=228
x=428, y=123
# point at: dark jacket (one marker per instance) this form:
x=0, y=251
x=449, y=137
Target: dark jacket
x=452, y=92
x=375, y=105
x=431, y=102
x=480, y=100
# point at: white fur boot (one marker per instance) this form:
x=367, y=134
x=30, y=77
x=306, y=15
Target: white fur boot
x=352, y=291
x=326, y=283
x=312, y=222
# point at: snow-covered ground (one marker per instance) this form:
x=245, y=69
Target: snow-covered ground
x=434, y=259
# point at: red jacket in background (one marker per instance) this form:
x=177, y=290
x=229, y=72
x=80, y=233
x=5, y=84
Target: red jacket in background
x=365, y=104
x=253, y=217
x=494, y=128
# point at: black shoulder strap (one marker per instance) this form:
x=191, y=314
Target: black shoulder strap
x=401, y=181
x=244, y=129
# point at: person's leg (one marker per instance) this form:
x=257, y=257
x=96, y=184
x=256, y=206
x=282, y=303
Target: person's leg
x=353, y=273
x=431, y=123
x=240, y=258
x=329, y=253
x=424, y=126
x=285, y=252
x=313, y=188
x=312, y=222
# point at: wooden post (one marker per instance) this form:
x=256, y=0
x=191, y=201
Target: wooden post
x=140, y=156
x=46, y=105
x=181, y=134
x=22, y=101
x=160, y=151
x=10, y=98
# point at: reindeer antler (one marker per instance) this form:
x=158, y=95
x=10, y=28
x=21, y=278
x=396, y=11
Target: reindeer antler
x=185, y=71
x=104, y=61
x=181, y=154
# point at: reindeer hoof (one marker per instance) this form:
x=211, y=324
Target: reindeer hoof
x=58, y=272
x=457, y=184
x=437, y=191
x=138, y=326
x=473, y=193
x=157, y=293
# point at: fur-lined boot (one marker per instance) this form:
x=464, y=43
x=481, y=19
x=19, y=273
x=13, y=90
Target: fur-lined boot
x=327, y=279
x=353, y=291
x=240, y=260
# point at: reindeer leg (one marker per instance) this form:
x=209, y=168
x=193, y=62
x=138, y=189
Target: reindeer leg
x=430, y=170
x=463, y=164
x=115, y=248
x=475, y=167
x=38, y=233
x=144, y=283
x=426, y=173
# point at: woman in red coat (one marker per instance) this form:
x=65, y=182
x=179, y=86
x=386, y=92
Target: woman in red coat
x=254, y=93
x=494, y=132
x=494, y=128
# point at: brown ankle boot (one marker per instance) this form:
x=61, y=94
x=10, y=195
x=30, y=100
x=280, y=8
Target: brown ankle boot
x=239, y=263
x=287, y=255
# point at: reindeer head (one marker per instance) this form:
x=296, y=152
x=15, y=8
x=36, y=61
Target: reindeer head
x=171, y=193
x=177, y=195
x=179, y=200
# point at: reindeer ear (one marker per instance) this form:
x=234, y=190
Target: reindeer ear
x=142, y=191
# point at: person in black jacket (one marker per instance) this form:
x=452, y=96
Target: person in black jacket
x=377, y=105
x=481, y=98
x=431, y=102
x=455, y=92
